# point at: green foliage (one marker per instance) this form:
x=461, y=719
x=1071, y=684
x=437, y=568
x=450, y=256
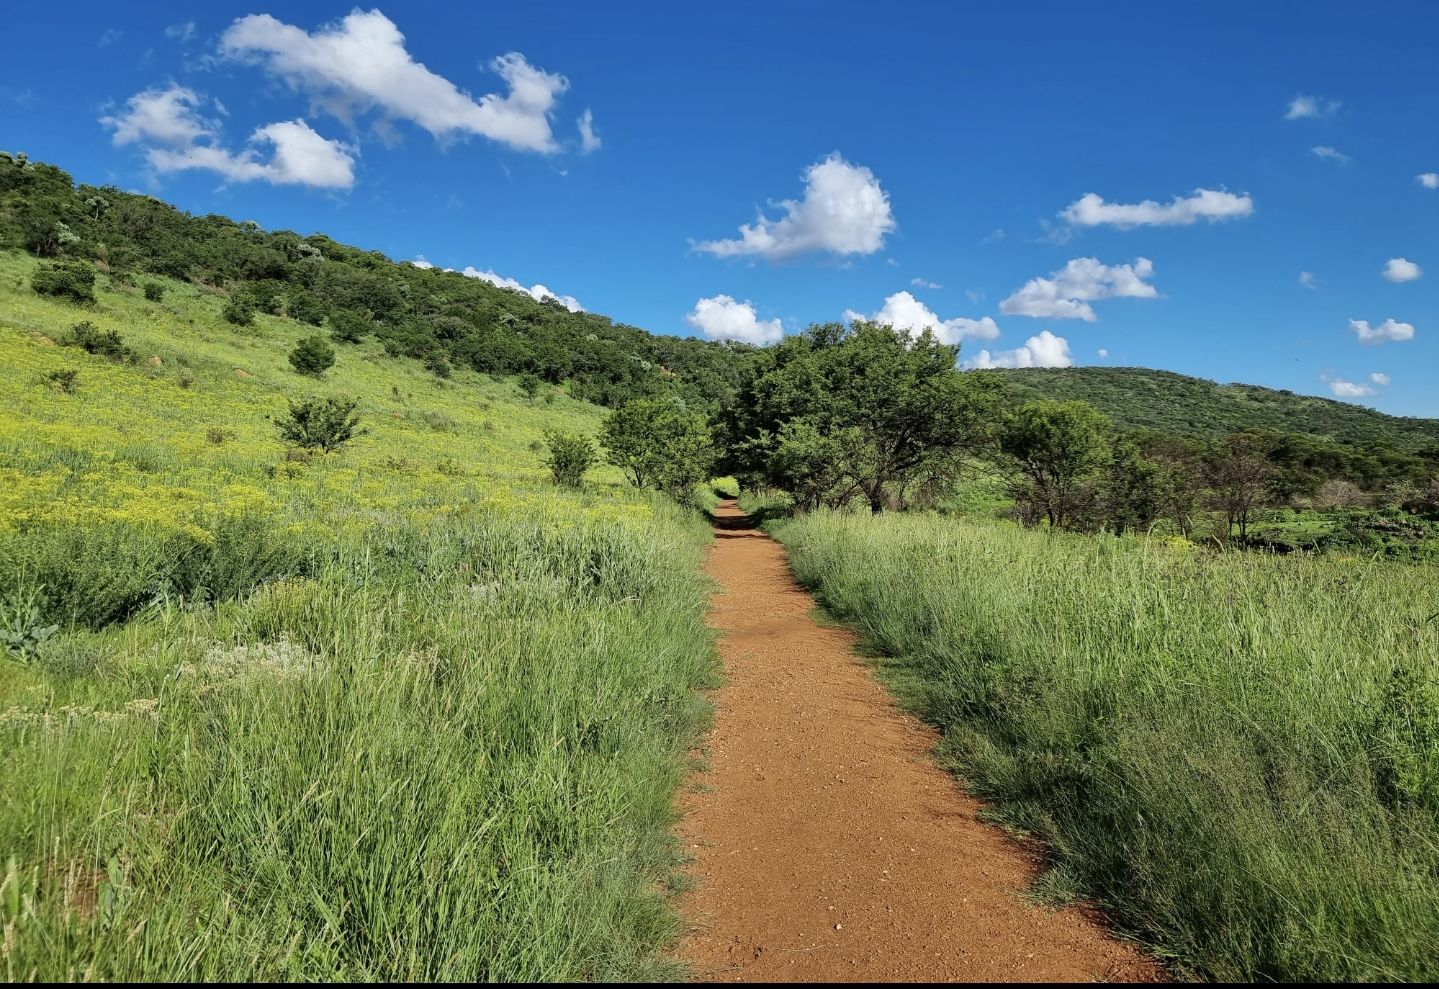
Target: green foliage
x=529, y=385
x=312, y=356
x=837, y=413
x=101, y=343
x=72, y=280
x=154, y=291
x=1052, y=450
x=1176, y=403
x=569, y=456
x=64, y=380
x=350, y=327
x=1236, y=754
x=305, y=307
x=659, y=443
x=239, y=310
x=23, y=629
x=324, y=424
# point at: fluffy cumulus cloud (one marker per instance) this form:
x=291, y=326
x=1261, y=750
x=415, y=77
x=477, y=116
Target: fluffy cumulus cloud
x=168, y=124
x=1068, y=292
x=1212, y=205
x=904, y=312
x=537, y=292
x=1401, y=270
x=844, y=211
x=360, y=63
x=1429, y=180
x=1349, y=389
x=1341, y=388
x=1311, y=107
x=1385, y=332
x=1044, y=350
x=723, y=318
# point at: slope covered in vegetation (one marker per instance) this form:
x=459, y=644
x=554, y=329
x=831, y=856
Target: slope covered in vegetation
x=404, y=710
x=1176, y=403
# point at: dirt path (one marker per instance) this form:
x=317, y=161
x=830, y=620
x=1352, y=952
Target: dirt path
x=827, y=844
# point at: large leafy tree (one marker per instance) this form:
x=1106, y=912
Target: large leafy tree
x=842, y=412
x=660, y=443
x=1051, y=452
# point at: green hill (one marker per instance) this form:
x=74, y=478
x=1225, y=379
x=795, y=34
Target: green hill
x=1163, y=400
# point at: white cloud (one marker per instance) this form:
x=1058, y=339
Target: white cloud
x=1349, y=389
x=1386, y=331
x=1103, y=354
x=1401, y=270
x=1090, y=210
x=1324, y=151
x=1311, y=106
x=110, y=37
x=1429, y=180
x=922, y=283
x=1379, y=378
x=360, y=63
x=1307, y=279
x=844, y=211
x=420, y=262
x=537, y=291
x=1066, y=293
x=589, y=140
x=181, y=32
x=176, y=138
x=904, y=312
x=1044, y=350
x=722, y=318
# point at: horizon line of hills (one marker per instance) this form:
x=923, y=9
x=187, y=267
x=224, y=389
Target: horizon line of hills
x=449, y=319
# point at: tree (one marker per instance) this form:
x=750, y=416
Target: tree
x=154, y=291
x=324, y=424
x=862, y=410
x=659, y=443
x=1133, y=492
x=313, y=356
x=530, y=385
x=570, y=455
x=1051, y=452
x=1239, y=474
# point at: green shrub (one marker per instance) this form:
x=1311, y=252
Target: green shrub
x=350, y=327
x=63, y=380
x=529, y=385
x=154, y=291
x=73, y=280
x=312, y=356
x=101, y=343
x=570, y=455
x=305, y=307
x=324, y=424
x=438, y=364
x=239, y=310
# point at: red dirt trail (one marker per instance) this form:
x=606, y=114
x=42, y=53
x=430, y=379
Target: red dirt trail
x=827, y=844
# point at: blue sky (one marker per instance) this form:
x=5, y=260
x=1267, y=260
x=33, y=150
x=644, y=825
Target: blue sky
x=1047, y=183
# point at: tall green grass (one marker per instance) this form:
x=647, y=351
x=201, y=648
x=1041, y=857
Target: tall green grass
x=447, y=754
x=1238, y=755
x=404, y=711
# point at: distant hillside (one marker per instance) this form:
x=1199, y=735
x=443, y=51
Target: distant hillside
x=1150, y=399
x=443, y=318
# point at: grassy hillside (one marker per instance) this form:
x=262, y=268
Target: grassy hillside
x=402, y=711
x=1163, y=400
